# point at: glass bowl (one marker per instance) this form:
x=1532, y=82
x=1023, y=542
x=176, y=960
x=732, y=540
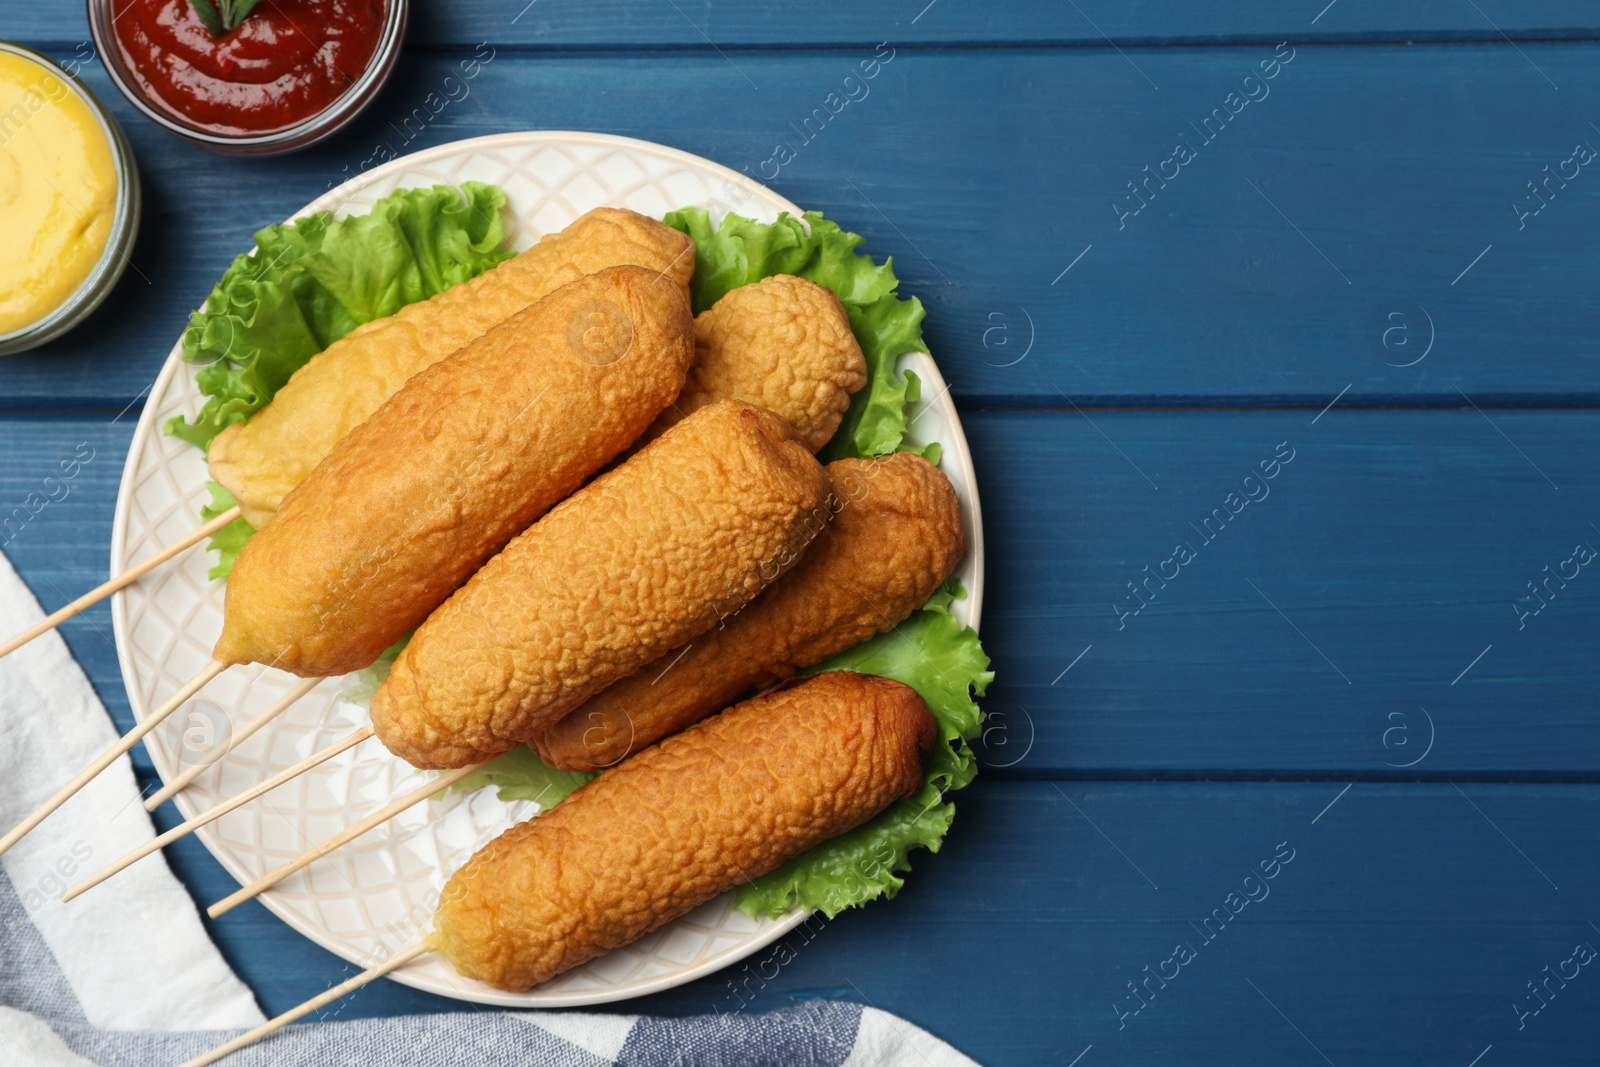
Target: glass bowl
x=303, y=134
x=119, y=243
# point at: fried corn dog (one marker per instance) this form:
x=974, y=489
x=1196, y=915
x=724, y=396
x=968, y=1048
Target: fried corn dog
x=783, y=344
x=721, y=803
x=637, y=562
x=455, y=464
x=895, y=536
x=259, y=461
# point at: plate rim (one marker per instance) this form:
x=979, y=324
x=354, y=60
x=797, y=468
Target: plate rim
x=769, y=930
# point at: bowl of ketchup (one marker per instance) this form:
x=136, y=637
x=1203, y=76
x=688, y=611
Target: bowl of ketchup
x=290, y=73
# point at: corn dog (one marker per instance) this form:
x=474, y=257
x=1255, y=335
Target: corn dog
x=895, y=536
x=454, y=465
x=639, y=561
x=721, y=803
x=783, y=344
x=259, y=461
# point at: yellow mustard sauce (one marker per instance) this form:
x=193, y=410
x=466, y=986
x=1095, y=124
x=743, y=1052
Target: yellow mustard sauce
x=58, y=191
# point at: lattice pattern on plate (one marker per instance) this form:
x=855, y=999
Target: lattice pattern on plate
x=376, y=895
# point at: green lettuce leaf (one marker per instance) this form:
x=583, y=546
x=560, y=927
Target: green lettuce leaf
x=944, y=662
x=228, y=541
x=360, y=691
x=312, y=281
x=521, y=775
x=741, y=251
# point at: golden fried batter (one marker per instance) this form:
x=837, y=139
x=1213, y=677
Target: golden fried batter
x=783, y=344
x=453, y=466
x=261, y=460
x=713, y=807
x=895, y=537
x=640, y=560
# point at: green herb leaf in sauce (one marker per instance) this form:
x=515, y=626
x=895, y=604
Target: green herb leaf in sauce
x=222, y=16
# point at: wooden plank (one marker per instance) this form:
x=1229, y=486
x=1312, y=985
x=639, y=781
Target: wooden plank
x=1338, y=622
x=56, y=529
x=769, y=24
x=1402, y=929
x=1229, y=288
x=1390, y=551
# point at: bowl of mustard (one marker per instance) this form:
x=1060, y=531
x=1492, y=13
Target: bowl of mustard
x=69, y=200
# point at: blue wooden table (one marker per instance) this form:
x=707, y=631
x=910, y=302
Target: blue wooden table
x=1288, y=769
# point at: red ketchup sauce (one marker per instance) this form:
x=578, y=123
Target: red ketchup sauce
x=287, y=60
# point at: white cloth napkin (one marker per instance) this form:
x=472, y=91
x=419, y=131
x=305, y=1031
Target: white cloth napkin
x=132, y=949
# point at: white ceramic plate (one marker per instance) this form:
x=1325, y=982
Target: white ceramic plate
x=376, y=895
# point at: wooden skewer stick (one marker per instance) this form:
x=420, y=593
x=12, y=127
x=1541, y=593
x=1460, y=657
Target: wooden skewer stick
x=181, y=781
x=311, y=855
x=236, y=801
x=394, y=963
x=128, y=576
x=109, y=756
